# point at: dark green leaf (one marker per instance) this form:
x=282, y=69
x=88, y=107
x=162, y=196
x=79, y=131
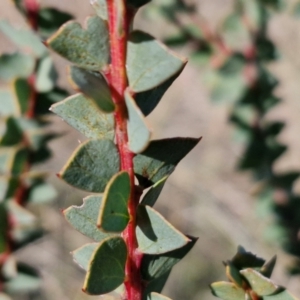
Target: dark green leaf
x=161, y=158
x=3, y=228
x=148, y=100
x=267, y=269
x=233, y=274
x=50, y=19
x=152, y=195
x=92, y=165
x=11, y=134
x=22, y=92
x=137, y=3
x=114, y=216
x=94, y=86
x=107, y=267
x=88, y=48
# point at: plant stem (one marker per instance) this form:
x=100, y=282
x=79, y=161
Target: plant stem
x=32, y=8
x=119, y=21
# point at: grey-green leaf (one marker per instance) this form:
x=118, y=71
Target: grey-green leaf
x=152, y=195
x=155, y=266
x=24, y=38
x=155, y=234
x=114, y=216
x=92, y=165
x=149, y=63
x=88, y=48
x=94, y=86
x=261, y=285
x=100, y=7
x=156, y=296
x=16, y=65
x=107, y=267
x=83, y=114
x=82, y=255
x=227, y=291
x=46, y=75
x=8, y=105
x=138, y=131
x=84, y=218
x=161, y=158
x=281, y=295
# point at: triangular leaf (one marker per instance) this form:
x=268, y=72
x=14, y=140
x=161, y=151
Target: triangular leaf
x=267, y=269
x=161, y=158
x=114, y=215
x=152, y=195
x=261, y=285
x=227, y=291
x=11, y=134
x=155, y=266
x=107, y=267
x=155, y=285
x=83, y=255
x=82, y=114
x=149, y=63
x=92, y=165
x=155, y=235
x=84, y=218
x=138, y=131
x=88, y=48
x=94, y=86
x=148, y=100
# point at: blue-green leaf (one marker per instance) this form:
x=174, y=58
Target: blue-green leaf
x=138, y=131
x=155, y=234
x=83, y=114
x=92, y=165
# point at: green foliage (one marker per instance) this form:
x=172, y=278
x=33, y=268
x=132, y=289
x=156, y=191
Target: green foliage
x=97, y=165
x=235, y=58
x=30, y=79
x=249, y=278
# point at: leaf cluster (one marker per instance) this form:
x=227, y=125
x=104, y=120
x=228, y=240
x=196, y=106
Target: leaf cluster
x=95, y=165
x=30, y=87
x=249, y=278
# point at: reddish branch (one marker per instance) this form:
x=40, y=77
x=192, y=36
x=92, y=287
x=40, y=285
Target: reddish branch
x=120, y=18
x=32, y=8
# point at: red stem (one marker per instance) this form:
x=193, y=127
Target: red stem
x=120, y=18
x=32, y=8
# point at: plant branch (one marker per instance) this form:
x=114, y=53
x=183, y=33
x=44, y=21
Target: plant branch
x=119, y=21
x=32, y=8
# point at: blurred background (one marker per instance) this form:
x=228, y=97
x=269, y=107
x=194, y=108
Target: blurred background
x=206, y=196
